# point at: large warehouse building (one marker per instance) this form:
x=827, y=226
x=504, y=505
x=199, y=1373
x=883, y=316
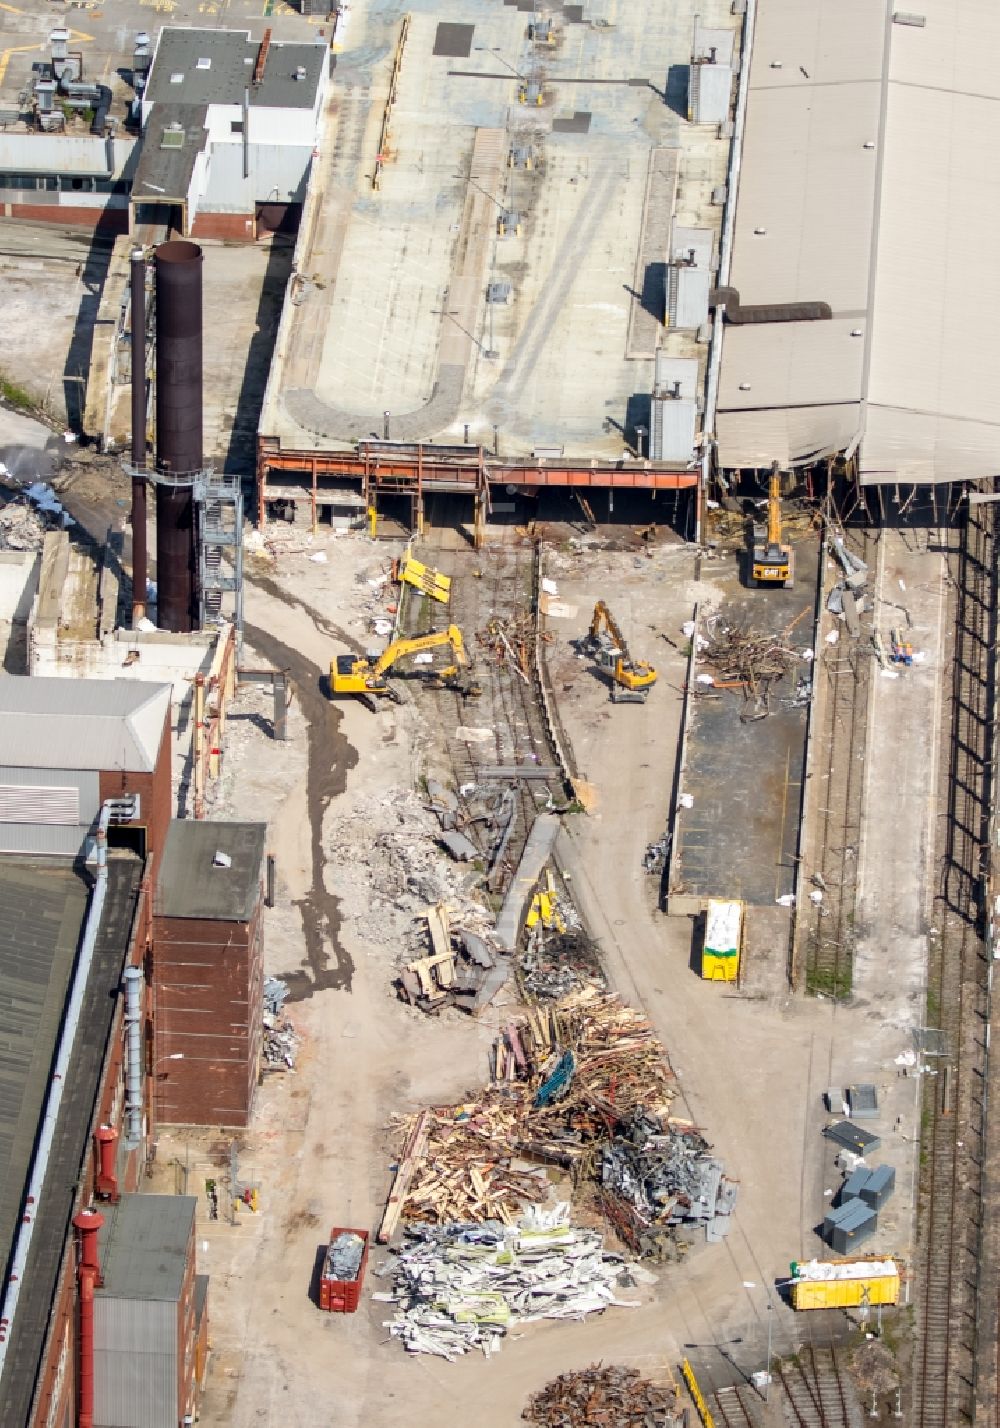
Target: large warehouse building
x=869, y=183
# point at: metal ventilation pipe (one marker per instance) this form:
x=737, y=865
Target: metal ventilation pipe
x=178, y=427
x=139, y=560
x=105, y=1142
x=87, y=1225
x=133, y=1054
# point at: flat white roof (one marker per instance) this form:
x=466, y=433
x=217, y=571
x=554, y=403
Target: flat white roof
x=869, y=181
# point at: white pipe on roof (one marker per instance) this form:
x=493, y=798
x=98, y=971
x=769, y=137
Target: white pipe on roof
x=133, y=1064
x=53, y=1101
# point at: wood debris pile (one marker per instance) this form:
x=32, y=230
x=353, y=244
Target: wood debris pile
x=748, y=659
x=462, y=1286
x=566, y=1076
x=508, y=641
x=603, y=1397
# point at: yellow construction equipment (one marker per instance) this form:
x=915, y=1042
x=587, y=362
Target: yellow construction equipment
x=631, y=679
x=424, y=578
x=773, y=561
x=544, y=907
x=357, y=674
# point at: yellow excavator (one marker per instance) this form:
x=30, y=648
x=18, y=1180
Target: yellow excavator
x=631, y=679
x=773, y=560
x=357, y=674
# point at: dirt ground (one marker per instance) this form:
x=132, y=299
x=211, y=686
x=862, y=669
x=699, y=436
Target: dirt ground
x=752, y=1071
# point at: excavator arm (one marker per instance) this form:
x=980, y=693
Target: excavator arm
x=774, y=509
x=400, y=648
x=631, y=679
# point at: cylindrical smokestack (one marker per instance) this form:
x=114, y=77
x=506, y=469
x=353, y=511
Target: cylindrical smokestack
x=139, y=563
x=105, y=1140
x=178, y=427
x=85, y=1391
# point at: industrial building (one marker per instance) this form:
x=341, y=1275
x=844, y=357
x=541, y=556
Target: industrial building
x=208, y=972
x=85, y=802
x=229, y=130
x=103, y=739
x=479, y=299
x=867, y=183
x=81, y=180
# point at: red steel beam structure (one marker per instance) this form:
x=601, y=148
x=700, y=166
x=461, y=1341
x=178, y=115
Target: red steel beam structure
x=406, y=469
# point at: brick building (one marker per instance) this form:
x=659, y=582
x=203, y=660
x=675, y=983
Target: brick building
x=208, y=972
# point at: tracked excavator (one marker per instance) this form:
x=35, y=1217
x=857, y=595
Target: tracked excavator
x=631, y=679
x=366, y=678
x=773, y=561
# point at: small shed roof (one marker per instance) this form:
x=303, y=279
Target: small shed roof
x=195, y=882
x=143, y=1246
x=82, y=723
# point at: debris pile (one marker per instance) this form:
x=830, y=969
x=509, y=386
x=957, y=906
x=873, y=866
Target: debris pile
x=583, y=1085
x=344, y=1255
x=553, y=965
x=281, y=1040
x=463, y=968
x=600, y=1396
x=749, y=659
x=507, y=641
x=22, y=527
x=462, y=1286
x=847, y=597
x=662, y=1172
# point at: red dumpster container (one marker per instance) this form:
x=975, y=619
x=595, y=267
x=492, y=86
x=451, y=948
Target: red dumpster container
x=341, y=1296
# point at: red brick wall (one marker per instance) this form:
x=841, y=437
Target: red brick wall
x=105, y=220
x=234, y=226
x=155, y=795
x=207, y=978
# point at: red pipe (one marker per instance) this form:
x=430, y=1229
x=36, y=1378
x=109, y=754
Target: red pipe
x=106, y=1139
x=85, y=1413
x=87, y=1224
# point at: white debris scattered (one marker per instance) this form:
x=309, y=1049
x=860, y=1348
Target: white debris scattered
x=816, y=897
x=687, y=629
x=704, y=679
x=318, y=557
x=686, y=800
x=832, y=637
x=144, y=625
x=382, y=627
x=906, y=1058
x=902, y=584
x=786, y=900
x=69, y=437
x=889, y=673
x=471, y=735
x=919, y=656
x=549, y=586
x=808, y=654
x=464, y=1286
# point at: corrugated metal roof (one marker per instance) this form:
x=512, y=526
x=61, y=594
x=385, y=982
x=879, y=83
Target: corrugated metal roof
x=41, y=914
x=710, y=93
x=70, y=154
x=143, y=1246
x=687, y=296
x=135, y=1363
x=93, y=723
x=869, y=164
x=191, y=885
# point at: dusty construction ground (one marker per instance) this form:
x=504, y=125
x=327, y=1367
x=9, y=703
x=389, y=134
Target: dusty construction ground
x=752, y=1070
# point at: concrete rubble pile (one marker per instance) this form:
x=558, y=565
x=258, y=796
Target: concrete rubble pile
x=604, y=1396
x=477, y=823
x=22, y=526
x=663, y=1173
x=343, y=1256
x=848, y=597
x=385, y=866
x=461, y=1286
x=281, y=1040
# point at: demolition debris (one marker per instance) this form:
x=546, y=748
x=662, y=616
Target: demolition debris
x=599, y=1396
x=462, y=1286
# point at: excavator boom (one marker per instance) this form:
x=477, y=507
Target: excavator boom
x=356, y=674
x=631, y=679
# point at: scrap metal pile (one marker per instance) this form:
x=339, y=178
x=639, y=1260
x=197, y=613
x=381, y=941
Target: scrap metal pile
x=556, y=963
x=572, y=1083
x=603, y=1397
x=462, y=1286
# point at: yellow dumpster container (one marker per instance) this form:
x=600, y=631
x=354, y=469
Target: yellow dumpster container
x=720, y=955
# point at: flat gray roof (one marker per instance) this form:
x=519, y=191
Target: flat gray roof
x=192, y=885
x=42, y=909
x=87, y=723
x=143, y=1246
x=174, y=136
x=231, y=57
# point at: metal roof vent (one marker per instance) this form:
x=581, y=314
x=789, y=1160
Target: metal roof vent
x=300, y=71
x=204, y=64
x=172, y=137
x=177, y=79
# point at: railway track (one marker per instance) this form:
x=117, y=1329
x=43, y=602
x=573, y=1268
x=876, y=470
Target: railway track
x=846, y=671
x=734, y=1407
x=497, y=594
x=817, y=1395
x=951, y=1291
